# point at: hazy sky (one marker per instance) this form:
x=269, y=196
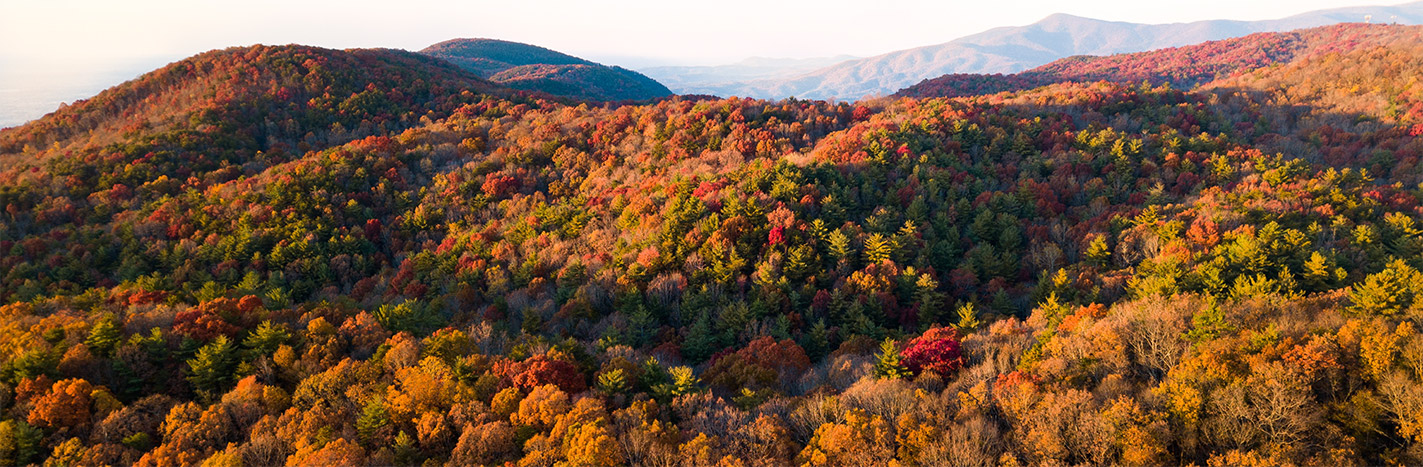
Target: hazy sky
x=625, y=32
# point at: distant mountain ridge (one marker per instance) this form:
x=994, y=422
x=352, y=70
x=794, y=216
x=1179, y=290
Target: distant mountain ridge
x=1019, y=48
x=1184, y=66
x=533, y=68
x=720, y=79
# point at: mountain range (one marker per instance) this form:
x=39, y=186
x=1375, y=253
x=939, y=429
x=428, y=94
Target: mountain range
x=292, y=255
x=1185, y=66
x=1019, y=48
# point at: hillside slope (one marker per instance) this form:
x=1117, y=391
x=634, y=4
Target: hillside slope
x=533, y=68
x=224, y=112
x=1081, y=273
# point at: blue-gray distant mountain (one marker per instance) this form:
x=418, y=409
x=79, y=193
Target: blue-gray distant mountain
x=725, y=79
x=533, y=68
x=1014, y=49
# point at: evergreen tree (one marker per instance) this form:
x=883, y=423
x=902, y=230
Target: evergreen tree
x=211, y=370
x=928, y=298
x=683, y=380
x=888, y=364
x=104, y=336
x=701, y=341
x=877, y=248
x=1387, y=292
x=1098, y=253
x=816, y=342
x=1208, y=323
x=968, y=317
x=641, y=326
x=839, y=244
x=374, y=417
x=1321, y=274
x=266, y=338
x=20, y=443
x=612, y=382
x=405, y=449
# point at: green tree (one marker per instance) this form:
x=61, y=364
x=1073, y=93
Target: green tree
x=701, y=341
x=211, y=370
x=19, y=442
x=1098, y=253
x=817, y=341
x=888, y=364
x=266, y=338
x=1387, y=292
x=877, y=248
x=612, y=381
x=374, y=417
x=104, y=337
x=683, y=380
x=968, y=317
x=1321, y=274
x=839, y=244
x=1209, y=322
x=928, y=299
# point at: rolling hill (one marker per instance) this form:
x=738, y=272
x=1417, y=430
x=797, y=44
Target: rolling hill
x=239, y=109
x=301, y=256
x=532, y=68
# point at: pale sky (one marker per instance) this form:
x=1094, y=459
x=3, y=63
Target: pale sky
x=624, y=32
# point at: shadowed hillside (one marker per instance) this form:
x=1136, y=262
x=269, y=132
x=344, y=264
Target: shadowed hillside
x=534, y=68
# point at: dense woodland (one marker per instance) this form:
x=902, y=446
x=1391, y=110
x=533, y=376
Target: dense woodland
x=301, y=256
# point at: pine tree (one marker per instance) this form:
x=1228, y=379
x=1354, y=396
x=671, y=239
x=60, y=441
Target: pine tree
x=799, y=262
x=211, y=369
x=104, y=336
x=1208, y=323
x=641, y=326
x=652, y=375
x=266, y=338
x=374, y=417
x=818, y=231
x=683, y=380
x=968, y=317
x=1098, y=253
x=19, y=442
x=701, y=341
x=907, y=235
x=877, y=248
x=612, y=381
x=1321, y=274
x=888, y=365
x=816, y=342
x=839, y=244
x=928, y=298
x=1387, y=292
x=405, y=449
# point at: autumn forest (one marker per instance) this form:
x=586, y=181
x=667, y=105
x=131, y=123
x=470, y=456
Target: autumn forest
x=286, y=255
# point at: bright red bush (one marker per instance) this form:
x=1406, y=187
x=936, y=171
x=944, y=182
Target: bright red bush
x=937, y=350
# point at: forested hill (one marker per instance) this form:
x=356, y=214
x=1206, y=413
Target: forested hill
x=291, y=255
x=533, y=68
x=1179, y=66
x=233, y=107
